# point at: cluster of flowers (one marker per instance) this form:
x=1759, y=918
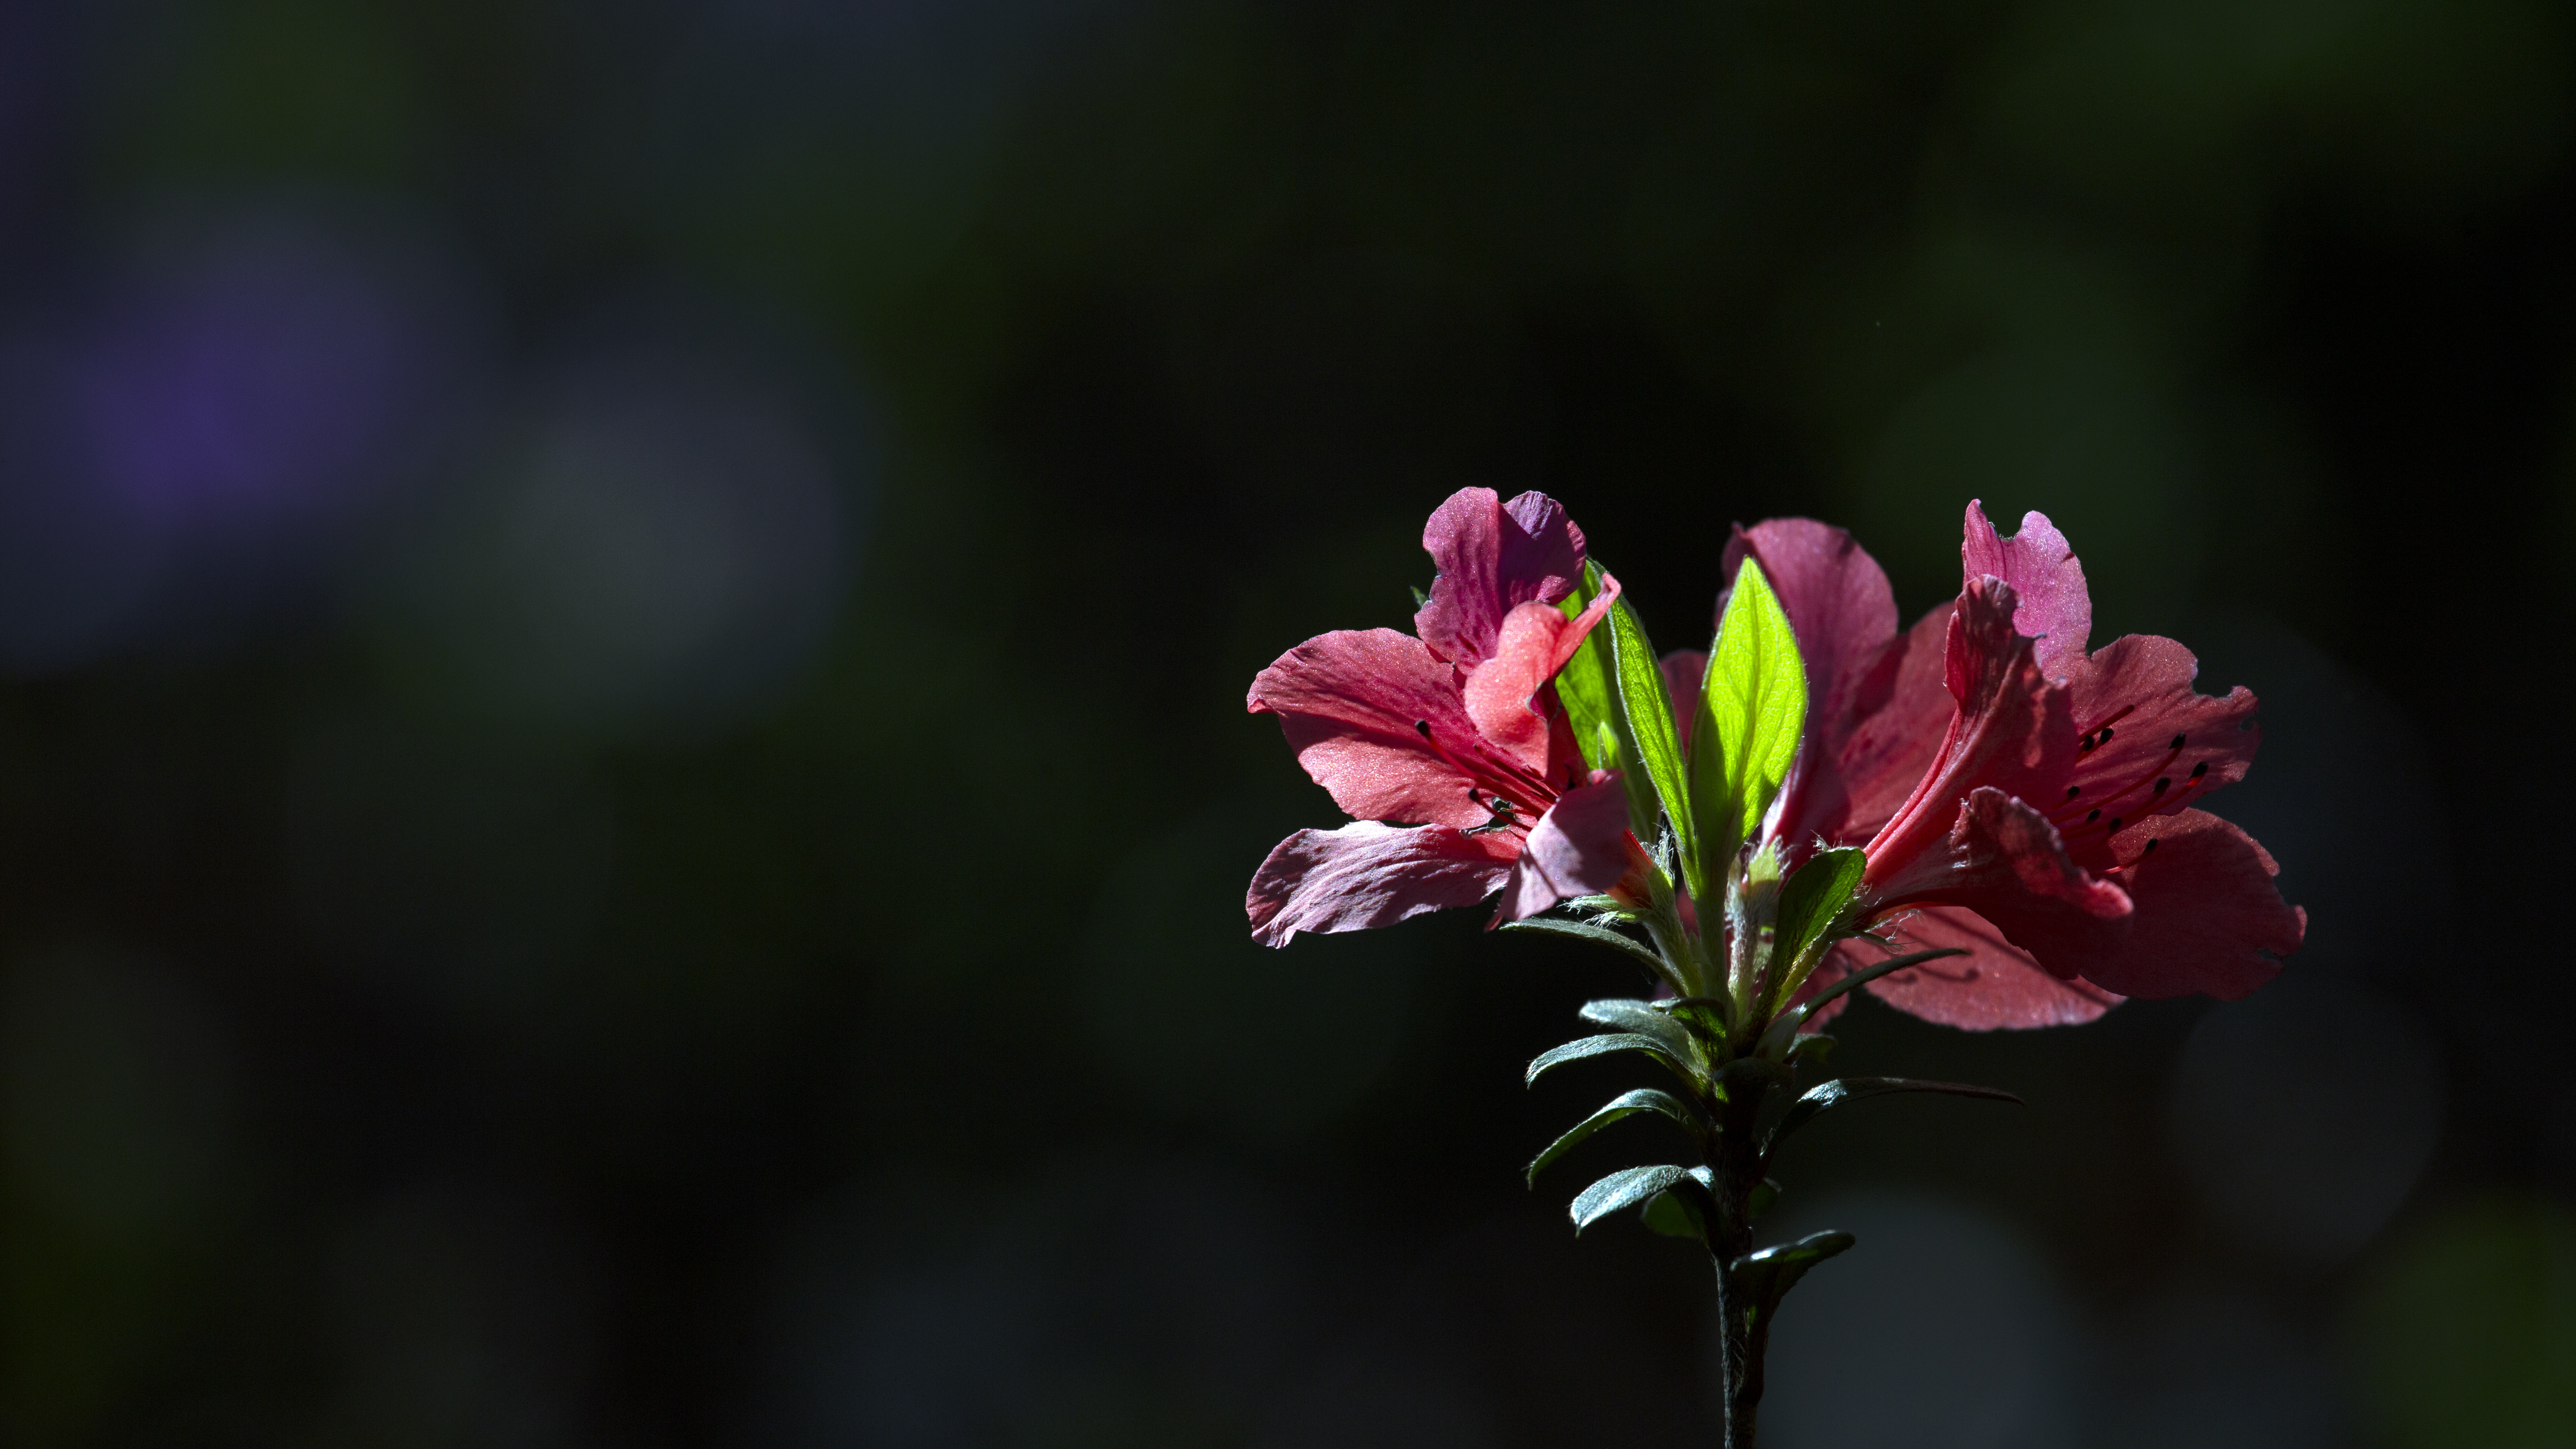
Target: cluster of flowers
x=2025, y=805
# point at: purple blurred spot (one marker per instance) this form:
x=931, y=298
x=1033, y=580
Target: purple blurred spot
x=262, y=385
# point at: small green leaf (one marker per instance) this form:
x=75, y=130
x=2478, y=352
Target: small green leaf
x=1752, y=714
x=1814, y=895
x=1627, y=1104
x=1759, y=1201
x=1421, y=600
x=1647, y=709
x=1763, y=1278
x=1825, y=1096
x=1599, y=1046
x=1599, y=935
x=1644, y=1020
x=1624, y=1188
x=1675, y=1213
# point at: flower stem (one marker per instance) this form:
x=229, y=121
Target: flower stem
x=1735, y=1169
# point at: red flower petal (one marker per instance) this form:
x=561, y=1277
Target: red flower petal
x=1995, y=985
x=2207, y=917
x=1493, y=556
x=1348, y=702
x=1366, y=875
x=1578, y=848
x=2055, y=607
x=2002, y=854
x=2150, y=744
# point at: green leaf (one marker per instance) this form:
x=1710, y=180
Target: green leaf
x=1627, y=1104
x=1600, y=935
x=1675, y=1213
x=1644, y=1020
x=1624, y=1188
x=1421, y=600
x=1763, y=1278
x=1827, y=1095
x=1601, y=1046
x=1752, y=713
x=1811, y=899
x=1649, y=732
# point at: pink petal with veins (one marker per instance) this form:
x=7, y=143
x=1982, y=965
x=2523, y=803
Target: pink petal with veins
x=1366, y=875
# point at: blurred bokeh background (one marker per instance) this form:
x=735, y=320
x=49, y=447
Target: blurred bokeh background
x=623, y=788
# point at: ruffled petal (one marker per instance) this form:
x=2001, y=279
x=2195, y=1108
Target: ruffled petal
x=1366, y=875
x=2002, y=854
x=1996, y=984
x=1580, y=847
x=1492, y=557
x=2055, y=610
x=1348, y=702
x=2206, y=918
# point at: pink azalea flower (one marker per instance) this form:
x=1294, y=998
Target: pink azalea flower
x=2020, y=798
x=1449, y=750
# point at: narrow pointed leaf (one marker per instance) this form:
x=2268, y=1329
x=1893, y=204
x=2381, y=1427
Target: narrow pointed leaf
x=1825, y=1096
x=1599, y=935
x=1649, y=732
x=1627, y=1104
x=1625, y=1188
x=1599, y=1046
x=1764, y=1277
x=1752, y=714
x=1644, y=1020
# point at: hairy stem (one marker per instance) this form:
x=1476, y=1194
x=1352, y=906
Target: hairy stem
x=1735, y=1167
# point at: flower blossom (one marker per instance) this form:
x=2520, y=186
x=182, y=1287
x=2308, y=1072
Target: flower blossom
x=1447, y=746
x=2018, y=797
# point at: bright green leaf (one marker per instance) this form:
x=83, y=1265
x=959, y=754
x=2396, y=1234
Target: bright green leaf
x=1625, y=1188
x=1647, y=709
x=1627, y=1104
x=1752, y=713
x=1825, y=1096
x=1583, y=1048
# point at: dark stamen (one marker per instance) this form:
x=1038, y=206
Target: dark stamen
x=2150, y=850
x=2177, y=744
x=2115, y=825
x=2200, y=769
x=2106, y=734
x=2096, y=815
x=2074, y=790
x=2161, y=783
x=2084, y=744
